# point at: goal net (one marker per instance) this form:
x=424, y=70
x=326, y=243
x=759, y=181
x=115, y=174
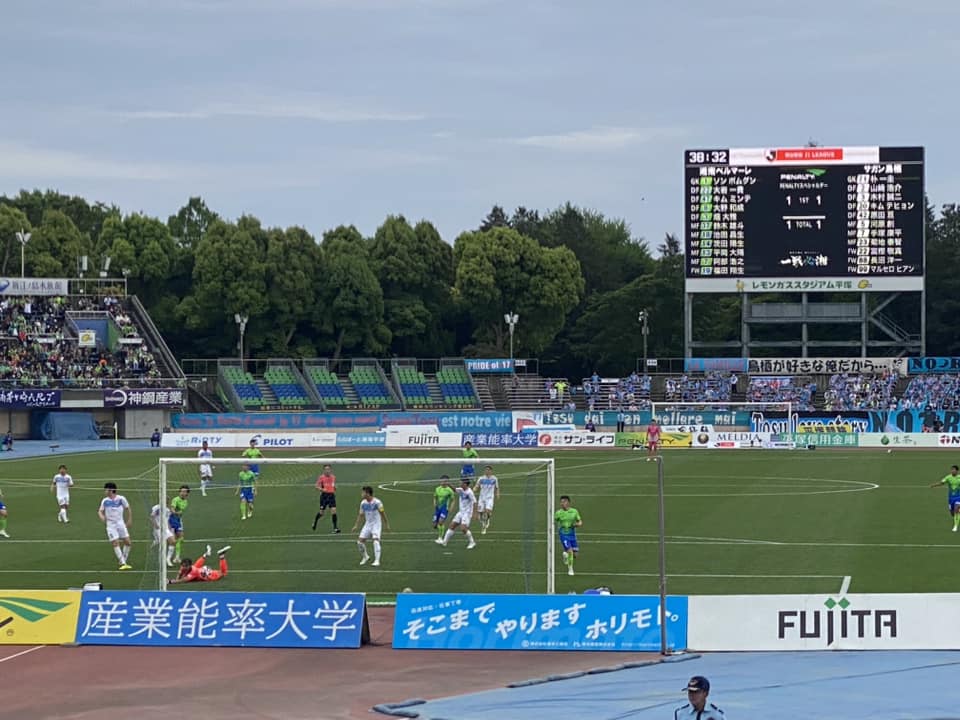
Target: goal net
x=276, y=548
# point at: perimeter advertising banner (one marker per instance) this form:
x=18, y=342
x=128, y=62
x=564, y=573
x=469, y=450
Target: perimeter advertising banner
x=38, y=617
x=667, y=439
x=537, y=622
x=824, y=622
x=242, y=440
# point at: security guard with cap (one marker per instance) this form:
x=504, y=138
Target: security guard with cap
x=698, y=708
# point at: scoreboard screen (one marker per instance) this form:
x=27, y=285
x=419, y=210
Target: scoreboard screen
x=810, y=219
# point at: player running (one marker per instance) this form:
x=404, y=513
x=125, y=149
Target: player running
x=568, y=520
x=488, y=489
x=191, y=571
x=653, y=439
x=3, y=517
x=206, y=469
x=115, y=514
x=327, y=485
x=442, y=500
x=247, y=490
x=62, y=482
x=160, y=522
x=467, y=509
x=253, y=454
x=374, y=521
x=469, y=455
x=178, y=506
x=952, y=481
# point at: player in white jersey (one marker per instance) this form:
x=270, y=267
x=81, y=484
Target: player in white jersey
x=115, y=514
x=467, y=509
x=488, y=489
x=206, y=469
x=374, y=521
x=62, y=482
x=160, y=520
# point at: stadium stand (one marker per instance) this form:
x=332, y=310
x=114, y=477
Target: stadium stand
x=633, y=392
x=371, y=385
x=411, y=384
x=457, y=387
x=327, y=384
x=244, y=387
x=709, y=387
x=861, y=392
x=934, y=392
x=286, y=384
x=799, y=391
x=40, y=344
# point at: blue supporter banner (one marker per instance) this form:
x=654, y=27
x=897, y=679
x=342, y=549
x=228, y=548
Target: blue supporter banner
x=608, y=418
x=852, y=421
x=489, y=366
x=493, y=421
x=361, y=440
x=228, y=619
x=537, y=622
x=510, y=439
x=30, y=398
x=925, y=365
x=715, y=364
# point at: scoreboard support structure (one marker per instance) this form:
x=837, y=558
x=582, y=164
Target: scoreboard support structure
x=808, y=237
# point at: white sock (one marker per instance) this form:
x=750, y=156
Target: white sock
x=469, y=537
x=170, y=551
x=203, y=484
x=447, y=535
x=64, y=515
x=363, y=549
x=125, y=552
x=118, y=552
x=376, y=551
x=61, y=514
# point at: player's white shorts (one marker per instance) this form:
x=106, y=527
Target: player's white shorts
x=462, y=518
x=117, y=531
x=370, y=531
x=206, y=472
x=485, y=504
x=63, y=498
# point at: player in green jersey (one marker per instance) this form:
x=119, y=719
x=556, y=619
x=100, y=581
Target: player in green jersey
x=568, y=520
x=442, y=498
x=177, y=507
x=253, y=454
x=247, y=490
x=469, y=455
x=952, y=481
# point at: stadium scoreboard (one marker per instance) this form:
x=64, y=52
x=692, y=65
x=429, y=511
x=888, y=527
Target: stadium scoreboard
x=810, y=219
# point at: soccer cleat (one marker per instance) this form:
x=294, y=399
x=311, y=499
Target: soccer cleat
x=206, y=553
x=954, y=528
x=439, y=541
x=222, y=551
x=364, y=559
x=3, y=533
x=375, y=563
x=336, y=531
x=570, y=570
x=126, y=567
x=169, y=563
x=243, y=517
x=483, y=530
x=176, y=559
x=471, y=546
x=66, y=520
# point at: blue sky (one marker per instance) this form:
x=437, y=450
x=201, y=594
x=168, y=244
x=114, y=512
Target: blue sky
x=322, y=112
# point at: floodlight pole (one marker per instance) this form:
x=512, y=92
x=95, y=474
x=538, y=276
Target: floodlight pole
x=511, y=319
x=664, y=650
x=24, y=238
x=643, y=318
x=241, y=321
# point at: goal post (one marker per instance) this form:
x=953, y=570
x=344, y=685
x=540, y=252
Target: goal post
x=274, y=549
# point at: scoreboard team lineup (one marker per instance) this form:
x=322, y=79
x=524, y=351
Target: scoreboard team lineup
x=804, y=219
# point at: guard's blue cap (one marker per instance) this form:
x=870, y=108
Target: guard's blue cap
x=697, y=683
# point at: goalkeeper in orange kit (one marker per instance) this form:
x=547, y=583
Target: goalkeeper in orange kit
x=191, y=571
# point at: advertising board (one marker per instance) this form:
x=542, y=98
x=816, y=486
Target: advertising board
x=575, y=439
x=402, y=436
x=242, y=440
x=38, y=617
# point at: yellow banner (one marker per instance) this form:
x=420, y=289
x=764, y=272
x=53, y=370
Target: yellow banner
x=667, y=439
x=38, y=617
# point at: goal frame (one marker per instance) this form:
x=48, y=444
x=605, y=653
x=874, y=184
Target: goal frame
x=548, y=463
x=658, y=407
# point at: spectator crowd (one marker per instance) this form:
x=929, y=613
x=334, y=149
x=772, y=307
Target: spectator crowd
x=38, y=347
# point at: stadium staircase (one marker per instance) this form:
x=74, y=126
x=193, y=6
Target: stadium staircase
x=496, y=388
x=485, y=394
x=269, y=396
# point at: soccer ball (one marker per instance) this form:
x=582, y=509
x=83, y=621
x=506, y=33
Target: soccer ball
x=408, y=590
x=889, y=451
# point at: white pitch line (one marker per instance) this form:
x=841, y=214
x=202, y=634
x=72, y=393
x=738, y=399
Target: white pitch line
x=20, y=654
x=845, y=585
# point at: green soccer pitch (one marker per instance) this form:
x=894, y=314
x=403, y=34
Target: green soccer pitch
x=737, y=523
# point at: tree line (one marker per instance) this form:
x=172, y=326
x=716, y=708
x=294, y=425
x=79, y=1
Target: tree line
x=576, y=278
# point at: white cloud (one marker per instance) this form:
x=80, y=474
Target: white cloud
x=35, y=164
x=292, y=107
x=599, y=138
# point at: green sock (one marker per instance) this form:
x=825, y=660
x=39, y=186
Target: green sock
x=3, y=523
x=572, y=558
x=956, y=521
x=440, y=531
x=178, y=547
x=243, y=508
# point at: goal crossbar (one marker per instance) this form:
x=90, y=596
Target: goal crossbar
x=547, y=463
